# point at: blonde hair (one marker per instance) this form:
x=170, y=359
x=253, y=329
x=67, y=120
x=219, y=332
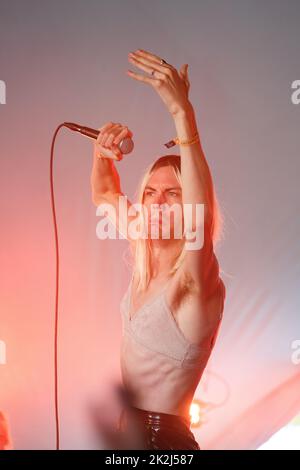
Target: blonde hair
x=142, y=247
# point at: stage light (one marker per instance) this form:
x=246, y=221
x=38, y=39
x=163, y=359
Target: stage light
x=196, y=413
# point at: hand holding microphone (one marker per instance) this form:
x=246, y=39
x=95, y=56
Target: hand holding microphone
x=108, y=140
x=112, y=140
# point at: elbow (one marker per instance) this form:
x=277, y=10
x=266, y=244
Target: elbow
x=97, y=198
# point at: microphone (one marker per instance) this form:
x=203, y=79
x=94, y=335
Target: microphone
x=125, y=146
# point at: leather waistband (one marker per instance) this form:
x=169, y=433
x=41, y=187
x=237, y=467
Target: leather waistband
x=155, y=417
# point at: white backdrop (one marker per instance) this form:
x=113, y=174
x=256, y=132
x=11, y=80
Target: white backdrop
x=66, y=61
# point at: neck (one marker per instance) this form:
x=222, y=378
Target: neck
x=163, y=254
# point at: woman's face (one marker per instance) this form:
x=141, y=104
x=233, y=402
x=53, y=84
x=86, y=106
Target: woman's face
x=163, y=189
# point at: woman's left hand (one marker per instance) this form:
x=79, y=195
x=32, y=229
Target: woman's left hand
x=172, y=87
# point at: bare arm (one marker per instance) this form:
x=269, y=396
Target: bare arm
x=197, y=187
x=196, y=176
x=105, y=179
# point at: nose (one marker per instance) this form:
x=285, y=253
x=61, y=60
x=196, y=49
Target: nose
x=161, y=199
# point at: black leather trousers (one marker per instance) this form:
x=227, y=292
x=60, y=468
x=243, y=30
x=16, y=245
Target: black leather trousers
x=154, y=430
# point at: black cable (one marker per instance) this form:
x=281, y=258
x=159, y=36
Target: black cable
x=56, y=294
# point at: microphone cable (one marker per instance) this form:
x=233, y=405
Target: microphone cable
x=57, y=442
x=126, y=146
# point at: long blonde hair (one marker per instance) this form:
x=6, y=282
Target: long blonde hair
x=142, y=247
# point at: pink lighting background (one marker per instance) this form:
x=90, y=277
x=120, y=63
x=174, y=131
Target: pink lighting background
x=67, y=61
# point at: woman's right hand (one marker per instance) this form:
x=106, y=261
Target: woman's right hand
x=106, y=145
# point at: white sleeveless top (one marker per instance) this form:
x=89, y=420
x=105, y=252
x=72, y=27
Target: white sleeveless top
x=160, y=368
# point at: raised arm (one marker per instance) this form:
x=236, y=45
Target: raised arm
x=196, y=177
x=197, y=188
x=172, y=87
x=105, y=179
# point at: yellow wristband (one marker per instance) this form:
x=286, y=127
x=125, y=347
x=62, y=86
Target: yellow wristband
x=177, y=141
x=187, y=142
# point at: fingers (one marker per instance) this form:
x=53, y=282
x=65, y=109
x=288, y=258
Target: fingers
x=110, y=135
x=124, y=133
x=103, y=129
x=114, y=132
x=148, y=56
x=149, y=62
x=105, y=134
x=143, y=78
x=116, y=139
